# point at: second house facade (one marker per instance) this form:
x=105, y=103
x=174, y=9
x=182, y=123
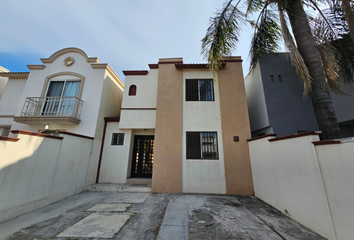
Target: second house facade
x=184, y=127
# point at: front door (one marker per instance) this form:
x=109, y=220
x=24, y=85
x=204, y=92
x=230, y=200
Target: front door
x=143, y=156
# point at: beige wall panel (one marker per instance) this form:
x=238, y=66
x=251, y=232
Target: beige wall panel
x=167, y=175
x=235, y=122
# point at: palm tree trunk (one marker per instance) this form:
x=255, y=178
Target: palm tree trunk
x=320, y=95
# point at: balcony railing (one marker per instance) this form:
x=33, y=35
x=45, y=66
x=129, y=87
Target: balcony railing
x=52, y=107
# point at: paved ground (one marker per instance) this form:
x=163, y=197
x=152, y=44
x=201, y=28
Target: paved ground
x=117, y=215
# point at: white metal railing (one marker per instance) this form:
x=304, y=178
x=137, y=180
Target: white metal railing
x=52, y=106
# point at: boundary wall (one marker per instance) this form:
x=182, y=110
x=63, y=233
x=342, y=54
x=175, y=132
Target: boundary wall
x=39, y=169
x=309, y=180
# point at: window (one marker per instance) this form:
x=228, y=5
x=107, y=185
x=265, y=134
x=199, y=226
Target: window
x=271, y=78
x=199, y=90
x=117, y=139
x=280, y=79
x=202, y=145
x=61, y=98
x=132, y=90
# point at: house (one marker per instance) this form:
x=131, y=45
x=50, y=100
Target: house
x=182, y=126
x=276, y=103
x=69, y=92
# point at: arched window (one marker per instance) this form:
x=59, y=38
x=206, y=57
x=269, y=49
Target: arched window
x=132, y=90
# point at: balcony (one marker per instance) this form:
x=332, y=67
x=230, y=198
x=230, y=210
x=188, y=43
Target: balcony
x=44, y=110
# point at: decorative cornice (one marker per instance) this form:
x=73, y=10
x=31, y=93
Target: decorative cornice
x=262, y=136
x=14, y=74
x=70, y=50
x=35, y=134
x=109, y=70
x=135, y=72
x=295, y=135
x=36, y=67
x=154, y=66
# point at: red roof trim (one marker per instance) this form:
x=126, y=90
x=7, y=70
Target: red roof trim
x=195, y=66
x=326, y=142
x=135, y=72
x=112, y=119
x=171, y=62
x=295, y=135
x=262, y=136
x=154, y=66
x=10, y=139
x=75, y=134
x=36, y=134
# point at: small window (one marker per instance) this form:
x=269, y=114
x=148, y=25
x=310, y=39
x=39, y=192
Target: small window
x=271, y=78
x=202, y=145
x=132, y=90
x=280, y=79
x=199, y=90
x=117, y=139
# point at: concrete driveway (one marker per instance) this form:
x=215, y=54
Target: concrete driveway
x=119, y=215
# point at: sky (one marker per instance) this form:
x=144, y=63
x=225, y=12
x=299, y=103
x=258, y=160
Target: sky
x=128, y=35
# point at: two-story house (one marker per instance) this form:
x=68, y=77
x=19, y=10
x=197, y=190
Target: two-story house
x=183, y=126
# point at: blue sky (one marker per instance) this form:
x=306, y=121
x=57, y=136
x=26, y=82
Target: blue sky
x=126, y=34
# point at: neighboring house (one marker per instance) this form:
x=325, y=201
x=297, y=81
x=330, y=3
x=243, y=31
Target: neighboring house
x=276, y=103
x=69, y=92
x=183, y=127
x=4, y=131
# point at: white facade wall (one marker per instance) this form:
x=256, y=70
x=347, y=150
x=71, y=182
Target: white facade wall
x=117, y=160
x=202, y=176
x=37, y=171
x=312, y=184
x=91, y=93
x=146, y=95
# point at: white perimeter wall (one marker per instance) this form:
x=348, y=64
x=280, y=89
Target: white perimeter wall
x=37, y=171
x=202, y=176
x=312, y=184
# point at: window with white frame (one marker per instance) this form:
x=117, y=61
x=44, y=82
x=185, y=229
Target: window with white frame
x=202, y=145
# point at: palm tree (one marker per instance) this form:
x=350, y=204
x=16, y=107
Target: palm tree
x=305, y=53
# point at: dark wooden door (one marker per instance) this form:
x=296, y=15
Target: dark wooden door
x=143, y=156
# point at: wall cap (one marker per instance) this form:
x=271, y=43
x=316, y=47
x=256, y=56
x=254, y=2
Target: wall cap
x=296, y=135
x=326, y=142
x=75, y=134
x=262, y=136
x=9, y=139
x=112, y=119
x=35, y=134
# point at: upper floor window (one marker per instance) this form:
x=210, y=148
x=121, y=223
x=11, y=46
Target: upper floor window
x=132, y=90
x=199, y=90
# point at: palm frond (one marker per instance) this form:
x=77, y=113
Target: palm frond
x=295, y=56
x=222, y=34
x=266, y=36
x=254, y=6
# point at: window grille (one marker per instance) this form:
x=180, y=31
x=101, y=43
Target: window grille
x=199, y=90
x=117, y=139
x=202, y=145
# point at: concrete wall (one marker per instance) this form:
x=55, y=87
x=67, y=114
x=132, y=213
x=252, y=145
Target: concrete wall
x=202, y=176
x=309, y=183
x=11, y=97
x=36, y=171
